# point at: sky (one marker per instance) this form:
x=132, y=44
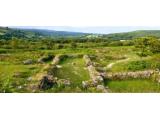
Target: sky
x=79, y=13
x=92, y=29
x=91, y=16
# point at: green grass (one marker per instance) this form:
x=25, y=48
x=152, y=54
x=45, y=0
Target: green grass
x=76, y=73
x=74, y=69
x=9, y=83
x=134, y=86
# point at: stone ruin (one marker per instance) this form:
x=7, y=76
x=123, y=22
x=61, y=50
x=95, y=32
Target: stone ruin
x=94, y=74
x=46, y=78
x=126, y=75
x=46, y=82
x=96, y=77
x=45, y=59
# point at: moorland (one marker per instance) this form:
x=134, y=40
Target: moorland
x=47, y=61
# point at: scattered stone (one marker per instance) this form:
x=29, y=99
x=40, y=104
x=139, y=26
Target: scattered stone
x=29, y=79
x=28, y=62
x=47, y=82
x=19, y=87
x=94, y=83
x=40, y=60
x=17, y=74
x=58, y=66
x=85, y=84
x=64, y=82
x=101, y=88
x=67, y=83
x=56, y=60
x=55, y=78
x=99, y=78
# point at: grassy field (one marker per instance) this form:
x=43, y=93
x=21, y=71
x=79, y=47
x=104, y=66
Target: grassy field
x=73, y=69
x=134, y=86
x=14, y=74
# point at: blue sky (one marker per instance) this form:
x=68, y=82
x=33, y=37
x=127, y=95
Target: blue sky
x=94, y=29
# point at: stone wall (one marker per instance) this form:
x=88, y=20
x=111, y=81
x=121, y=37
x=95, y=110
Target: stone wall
x=94, y=74
x=131, y=75
x=45, y=78
x=96, y=77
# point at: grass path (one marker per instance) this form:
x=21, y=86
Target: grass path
x=109, y=66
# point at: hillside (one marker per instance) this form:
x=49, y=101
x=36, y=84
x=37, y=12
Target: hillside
x=132, y=35
x=7, y=33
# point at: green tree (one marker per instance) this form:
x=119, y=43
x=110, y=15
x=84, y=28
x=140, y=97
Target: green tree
x=14, y=43
x=148, y=44
x=154, y=45
x=73, y=45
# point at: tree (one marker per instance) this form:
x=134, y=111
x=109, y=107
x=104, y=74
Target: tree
x=151, y=44
x=14, y=43
x=73, y=45
x=154, y=45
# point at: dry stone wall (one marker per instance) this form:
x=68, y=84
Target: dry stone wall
x=96, y=77
x=45, y=78
x=132, y=75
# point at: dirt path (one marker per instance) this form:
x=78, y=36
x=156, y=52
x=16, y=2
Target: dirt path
x=109, y=66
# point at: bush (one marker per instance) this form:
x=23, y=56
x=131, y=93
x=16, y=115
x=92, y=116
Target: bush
x=3, y=51
x=73, y=45
x=138, y=65
x=115, y=43
x=144, y=54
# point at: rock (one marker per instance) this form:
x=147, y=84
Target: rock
x=64, y=82
x=87, y=60
x=17, y=74
x=98, y=78
x=27, y=62
x=94, y=83
x=47, y=82
x=58, y=66
x=29, y=79
x=103, y=74
x=85, y=84
x=101, y=88
x=19, y=87
x=40, y=60
x=56, y=60
x=67, y=83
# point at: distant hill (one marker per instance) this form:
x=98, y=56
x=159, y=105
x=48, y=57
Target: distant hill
x=7, y=33
x=132, y=35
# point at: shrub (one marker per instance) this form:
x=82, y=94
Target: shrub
x=138, y=65
x=144, y=54
x=2, y=51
